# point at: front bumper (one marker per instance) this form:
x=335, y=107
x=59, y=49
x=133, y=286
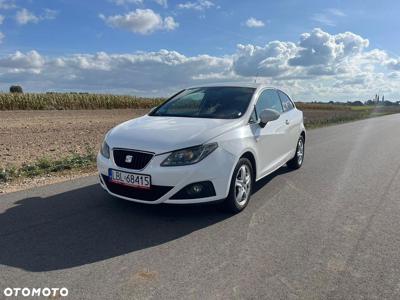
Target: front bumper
x=167, y=181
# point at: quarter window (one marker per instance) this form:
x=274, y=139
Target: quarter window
x=269, y=99
x=286, y=102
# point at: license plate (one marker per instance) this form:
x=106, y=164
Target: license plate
x=130, y=179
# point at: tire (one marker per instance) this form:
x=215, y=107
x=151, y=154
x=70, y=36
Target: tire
x=297, y=161
x=241, y=187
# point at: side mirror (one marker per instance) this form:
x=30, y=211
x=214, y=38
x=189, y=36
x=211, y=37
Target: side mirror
x=268, y=115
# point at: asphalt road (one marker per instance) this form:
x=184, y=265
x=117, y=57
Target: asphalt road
x=330, y=230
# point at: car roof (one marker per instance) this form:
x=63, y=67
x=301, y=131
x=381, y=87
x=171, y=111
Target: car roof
x=235, y=84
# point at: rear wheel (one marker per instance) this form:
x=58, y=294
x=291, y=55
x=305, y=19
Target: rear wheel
x=241, y=186
x=297, y=161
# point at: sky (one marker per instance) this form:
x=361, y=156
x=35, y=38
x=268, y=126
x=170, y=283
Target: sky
x=315, y=50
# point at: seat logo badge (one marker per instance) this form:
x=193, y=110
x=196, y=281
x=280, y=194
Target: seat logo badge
x=128, y=159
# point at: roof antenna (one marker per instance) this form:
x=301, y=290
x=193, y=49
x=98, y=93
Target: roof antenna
x=255, y=79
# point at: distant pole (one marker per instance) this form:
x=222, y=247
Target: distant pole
x=255, y=79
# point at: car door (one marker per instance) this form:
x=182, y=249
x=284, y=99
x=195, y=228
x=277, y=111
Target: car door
x=270, y=140
x=292, y=119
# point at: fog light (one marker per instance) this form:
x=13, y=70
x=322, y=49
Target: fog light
x=196, y=190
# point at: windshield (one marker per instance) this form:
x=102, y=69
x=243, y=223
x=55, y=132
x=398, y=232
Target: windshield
x=208, y=102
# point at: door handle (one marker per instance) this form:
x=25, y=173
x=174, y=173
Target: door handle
x=287, y=122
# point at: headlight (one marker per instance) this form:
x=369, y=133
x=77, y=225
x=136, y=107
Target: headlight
x=189, y=156
x=105, y=149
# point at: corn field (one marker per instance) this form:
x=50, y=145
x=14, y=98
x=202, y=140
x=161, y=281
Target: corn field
x=60, y=101
x=75, y=101
x=322, y=106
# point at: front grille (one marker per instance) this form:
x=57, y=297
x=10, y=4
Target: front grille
x=152, y=194
x=139, y=160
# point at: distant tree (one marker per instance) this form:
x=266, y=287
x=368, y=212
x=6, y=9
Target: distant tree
x=16, y=89
x=388, y=103
x=370, y=102
x=357, y=103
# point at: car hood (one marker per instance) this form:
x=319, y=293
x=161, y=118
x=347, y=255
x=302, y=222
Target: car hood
x=165, y=134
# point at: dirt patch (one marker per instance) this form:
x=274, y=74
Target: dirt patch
x=26, y=136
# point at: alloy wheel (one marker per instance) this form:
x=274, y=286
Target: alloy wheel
x=243, y=185
x=300, y=151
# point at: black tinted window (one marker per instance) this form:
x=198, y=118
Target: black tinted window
x=268, y=99
x=208, y=102
x=286, y=103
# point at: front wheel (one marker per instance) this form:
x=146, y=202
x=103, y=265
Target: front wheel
x=241, y=186
x=297, y=161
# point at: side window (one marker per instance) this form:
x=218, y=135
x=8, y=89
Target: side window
x=286, y=102
x=269, y=99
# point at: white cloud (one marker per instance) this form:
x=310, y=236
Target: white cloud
x=7, y=4
x=323, y=19
x=196, y=5
x=270, y=60
x=328, y=17
x=126, y=2
x=336, y=12
x=170, y=23
x=1, y=37
x=321, y=48
x=394, y=64
x=49, y=14
x=162, y=2
x=143, y=21
x=320, y=66
x=1, y=19
x=143, y=72
x=254, y=23
x=19, y=61
x=25, y=16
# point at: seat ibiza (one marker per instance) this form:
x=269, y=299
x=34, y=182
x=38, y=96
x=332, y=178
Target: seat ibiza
x=203, y=144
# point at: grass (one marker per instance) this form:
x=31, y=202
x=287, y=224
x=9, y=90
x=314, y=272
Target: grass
x=44, y=166
x=325, y=115
x=63, y=101
x=361, y=108
x=320, y=106
x=334, y=120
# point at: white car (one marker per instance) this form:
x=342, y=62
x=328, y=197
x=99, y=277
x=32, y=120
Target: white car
x=203, y=144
